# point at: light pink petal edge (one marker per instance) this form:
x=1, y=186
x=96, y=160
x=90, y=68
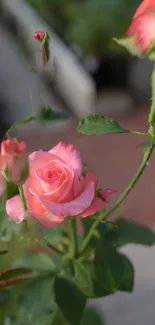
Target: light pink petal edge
x=96, y=205
x=70, y=155
x=72, y=208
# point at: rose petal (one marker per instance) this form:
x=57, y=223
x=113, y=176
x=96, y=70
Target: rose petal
x=70, y=155
x=71, y=208
x=106, y=194
x=14, y=209
x=144, y=6
x=96, y=205
x=49, y=220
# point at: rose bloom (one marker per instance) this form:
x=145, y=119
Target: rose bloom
x=13, y=161
x=142, y=27
x=56, y=188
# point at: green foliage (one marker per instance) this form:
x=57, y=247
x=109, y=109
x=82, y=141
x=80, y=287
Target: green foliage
x=127, y=232
x=83, y=279
x=112, y=271
x=70, y=300
x=38, y=262
x=33, y=301
x=48, y=116
x=92, y=317
x=99, y=124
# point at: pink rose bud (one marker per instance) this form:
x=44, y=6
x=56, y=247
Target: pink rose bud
x=142, y=28
x=39, y=35
x=2, y=186
x=43, y=38
x=15, y=161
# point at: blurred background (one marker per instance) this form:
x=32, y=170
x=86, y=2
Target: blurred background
x=88, y=73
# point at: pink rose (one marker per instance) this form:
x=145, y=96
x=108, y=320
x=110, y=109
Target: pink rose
x=56, y=188
x=14, y=161
x=142, y=28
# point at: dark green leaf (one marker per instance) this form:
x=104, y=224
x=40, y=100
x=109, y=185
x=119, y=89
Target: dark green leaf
x=99, y=124
x=111, y=268
x=127, y=231
x=70, y=300
x=83, y=279
x=37, y=262
x=47, y=116
x=12, y=190
x=127, y=282
x=92, y=317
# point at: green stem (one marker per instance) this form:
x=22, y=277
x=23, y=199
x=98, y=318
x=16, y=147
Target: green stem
x=140, y=133
x=22, y=197
x=73, y=237
x=147, y=154
x=55, y=248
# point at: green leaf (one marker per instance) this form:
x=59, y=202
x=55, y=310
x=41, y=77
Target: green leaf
x=99, y=124
x=47, y=116
x=83, y=279
x=38, y=262
x=127, y=282
x=127, y=231
x=34, y=301
x=129, y=45
x=111, y=271
x=92, y=317
x=70, y=300
x=12, y=190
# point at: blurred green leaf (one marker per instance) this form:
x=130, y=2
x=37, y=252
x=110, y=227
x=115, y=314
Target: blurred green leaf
x=37, y=262
x=99, y=124
x=83, y=279
x=47, y=116
x=12, y=190
x=34, y=302
x=111, y=268
x=92, y=317
x=128, y=232
x=127, y=281
x=70, y=300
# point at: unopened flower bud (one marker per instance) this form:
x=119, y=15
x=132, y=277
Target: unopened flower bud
x=15, y=166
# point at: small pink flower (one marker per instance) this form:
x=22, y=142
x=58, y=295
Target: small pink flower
x=39, y=35
x=56, y=188
x=143, y=30
x=14, y=161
